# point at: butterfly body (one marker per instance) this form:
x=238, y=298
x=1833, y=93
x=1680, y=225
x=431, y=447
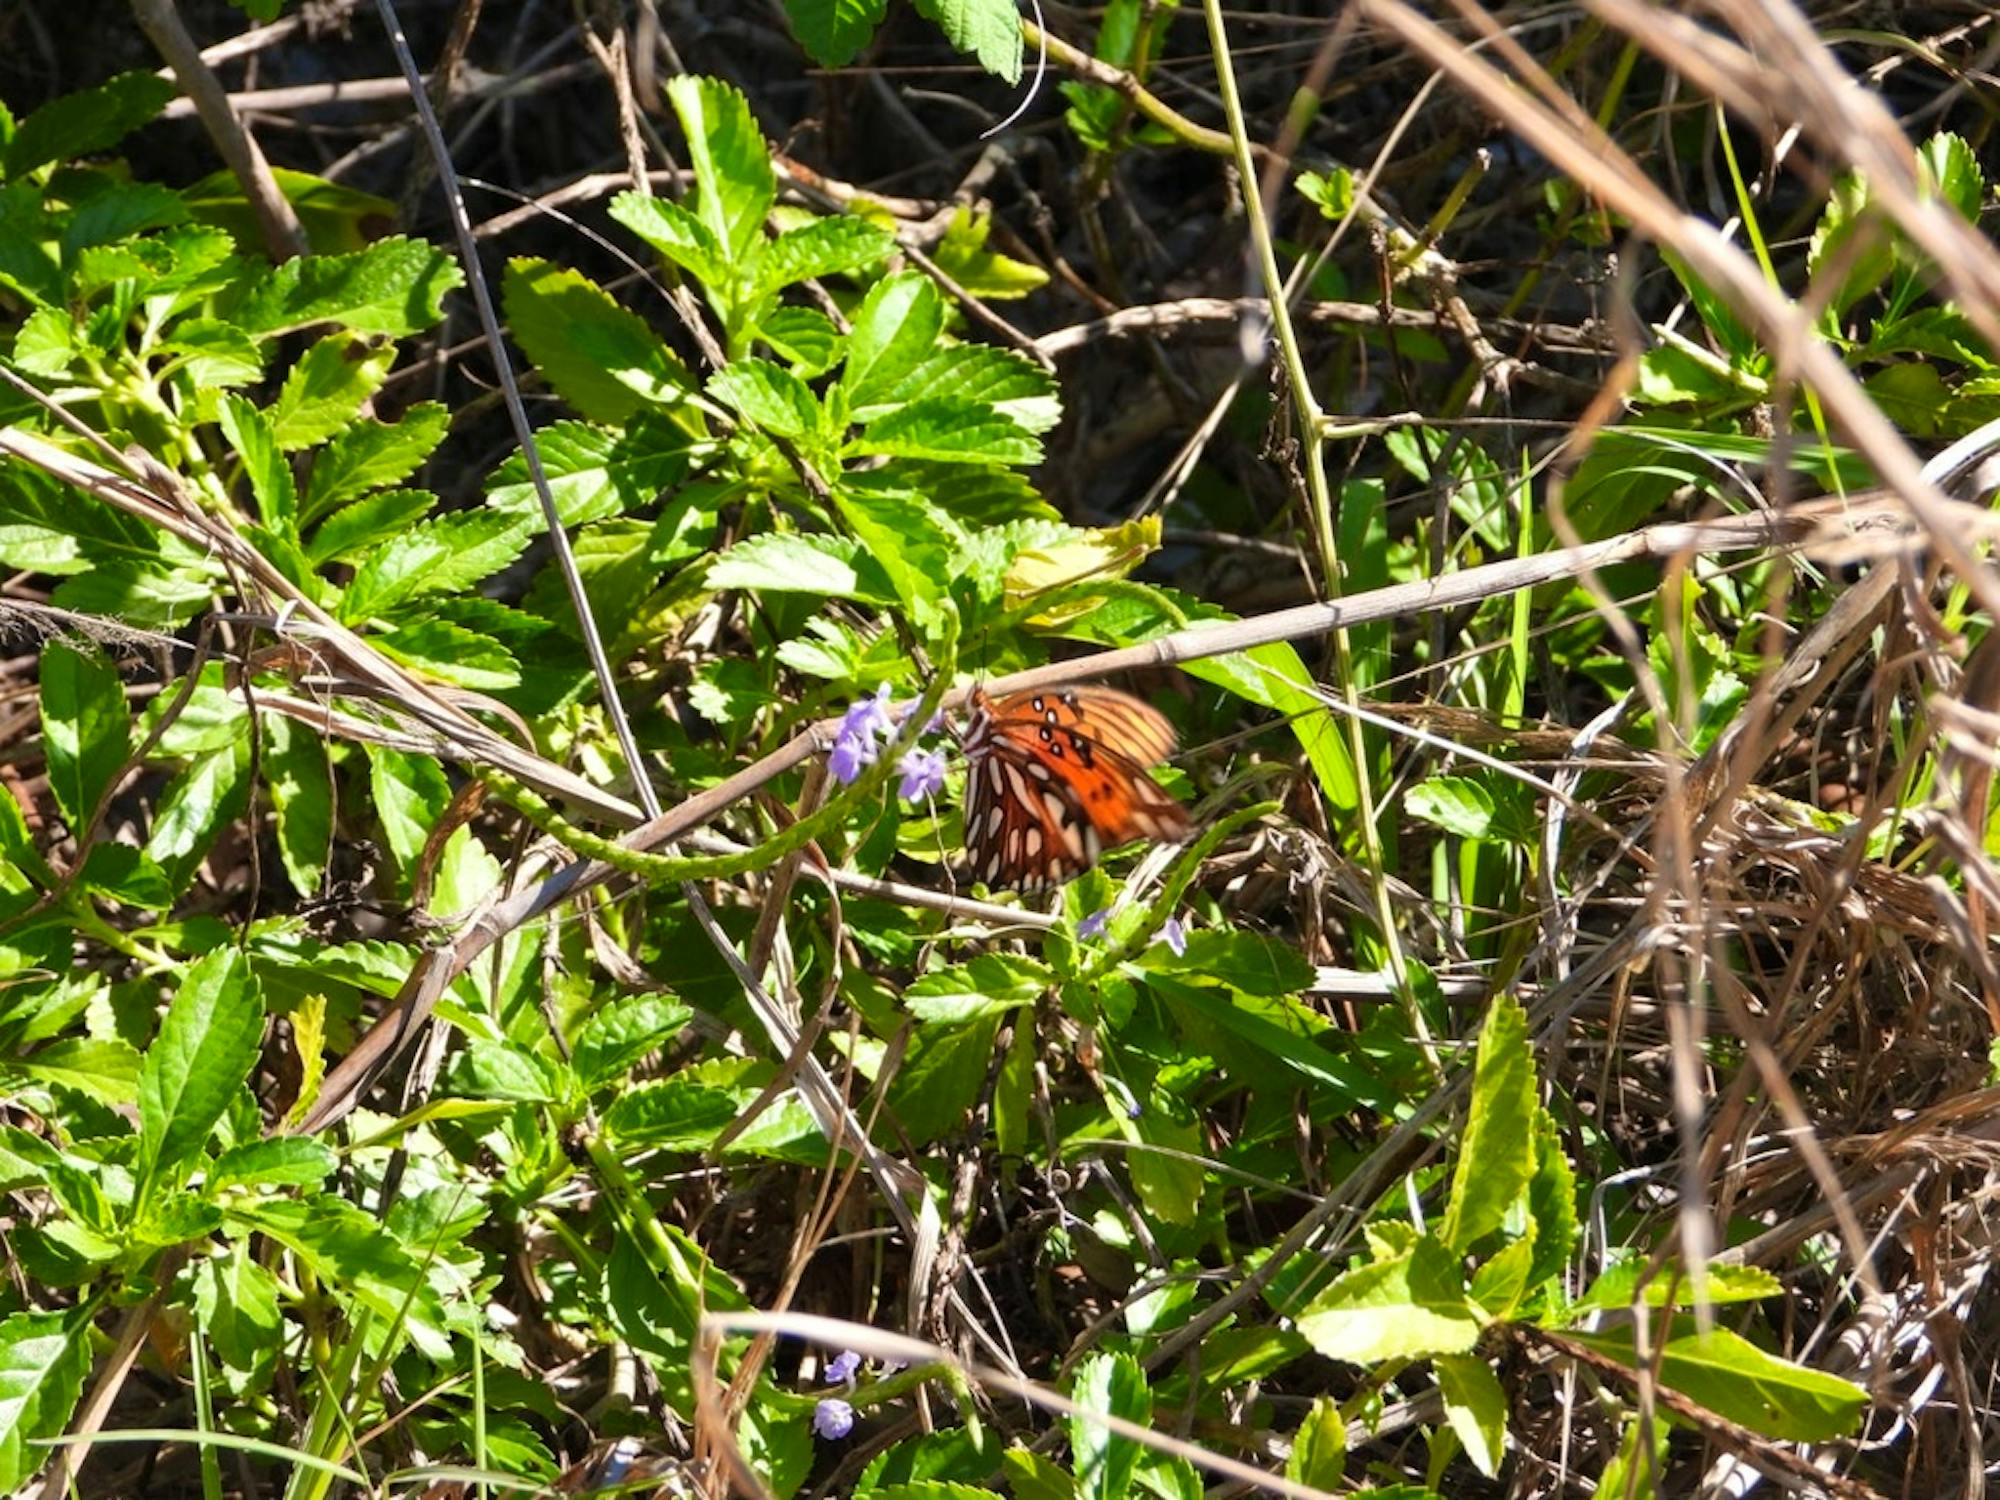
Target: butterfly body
x=1056, y=778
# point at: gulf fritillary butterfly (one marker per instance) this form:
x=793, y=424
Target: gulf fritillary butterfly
x=1055, y=779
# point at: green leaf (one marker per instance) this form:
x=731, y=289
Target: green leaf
x=44, y=1357
x=1273, y=1031
x=769, y=396
x=207, y=1044
x=336, y=218
x=1851, y=232
x=237, y=1302
x=948, y=431
x=209, y=352
x=606, y=362
x=619, y=1035
x=126, y=874
x=87, y=122
x=964, y=255
x=1630, y=1473
x=249, y=433
x=452, y=653
x=1005, y=380
x=369, y=455
x=678, y=235
x=805, y=336
x=324, y=390
x=85, y=730
x=409, y=794
x=1502, y=1279
x=894, y=331
x=1032, y=1477
x=282, y=1161
x=834, y=31
x=447, y=553
x=1107, y=1385
x=825, y=247
x=1733, y=1378
x=786, y=562
x=1407, y=1306
x=396, y=286
x=1459, y=805
x=1476, y=1408
x=990, y=985
x=1497, y=1156
x=989, y=29
x=908, y=539
x=678, y=1114
x=1551, y=1203
x=1246, y=961
x=355, y=1258
x=301, y=785
x=498, y=1070
x=355, y=528
x=198, y=804
x=106, y=1069
x=734, y=186
x=1722, y=1284
x=1319, y=1447
x=1953, y=169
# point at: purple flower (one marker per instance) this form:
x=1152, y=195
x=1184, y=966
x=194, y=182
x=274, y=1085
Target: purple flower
x=854, y=743
x=840, y=1370
x=1174, y=935
x=1092, y=926
x=833, y=1418
x=923, y=773
x=850, y=755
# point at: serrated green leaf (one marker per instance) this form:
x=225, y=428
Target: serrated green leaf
x=355, y=528
x=825, y=247
x=619, y=1035
x=988, y=29
x=105, y=1069
x=787, y=562
x=1476, y=1408
x=125, y=874
x=85, y=730
x=323, y=391
x=1005, y=380
x=1319, y=1447
x=250, y=434
x=396, y=286
x=211, y=353
x=370, y=455
x=354, y=1257
x=44, y=1357
x=1618, y=1286
x=237, y=1301
x=1497, y=1156
x=498, y=1070
x=283, y=1161
x=301, y=785
x=769, y=396
x=207, y=1044
x=1032, y=1477
x=834, y=31
x=409, y=794
x=1408, y=1306
x=86, y=122
x=1551, y=1203
x=948, y=431
x=452, y=653
x=603, y=360
x=805, y=336
x=965, y=256
x=46, y=343
x=1107, y=1385
x=447, y=553
x=677, y=234
x=895, y=329
x=734, y=186
x=676, y=1114
x=1954, y=173
x=1733, y=1378
x=991, y=984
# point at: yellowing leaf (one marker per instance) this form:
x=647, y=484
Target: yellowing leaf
x=1100, y=552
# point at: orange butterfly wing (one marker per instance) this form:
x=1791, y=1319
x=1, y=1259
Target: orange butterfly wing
x=1055, y=779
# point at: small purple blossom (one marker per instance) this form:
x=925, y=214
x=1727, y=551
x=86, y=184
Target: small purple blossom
x=855, y=742
x=833, y=1418
x=840, y=1369
x=1174, y=935
x=1093, y=925
x=923, y=773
